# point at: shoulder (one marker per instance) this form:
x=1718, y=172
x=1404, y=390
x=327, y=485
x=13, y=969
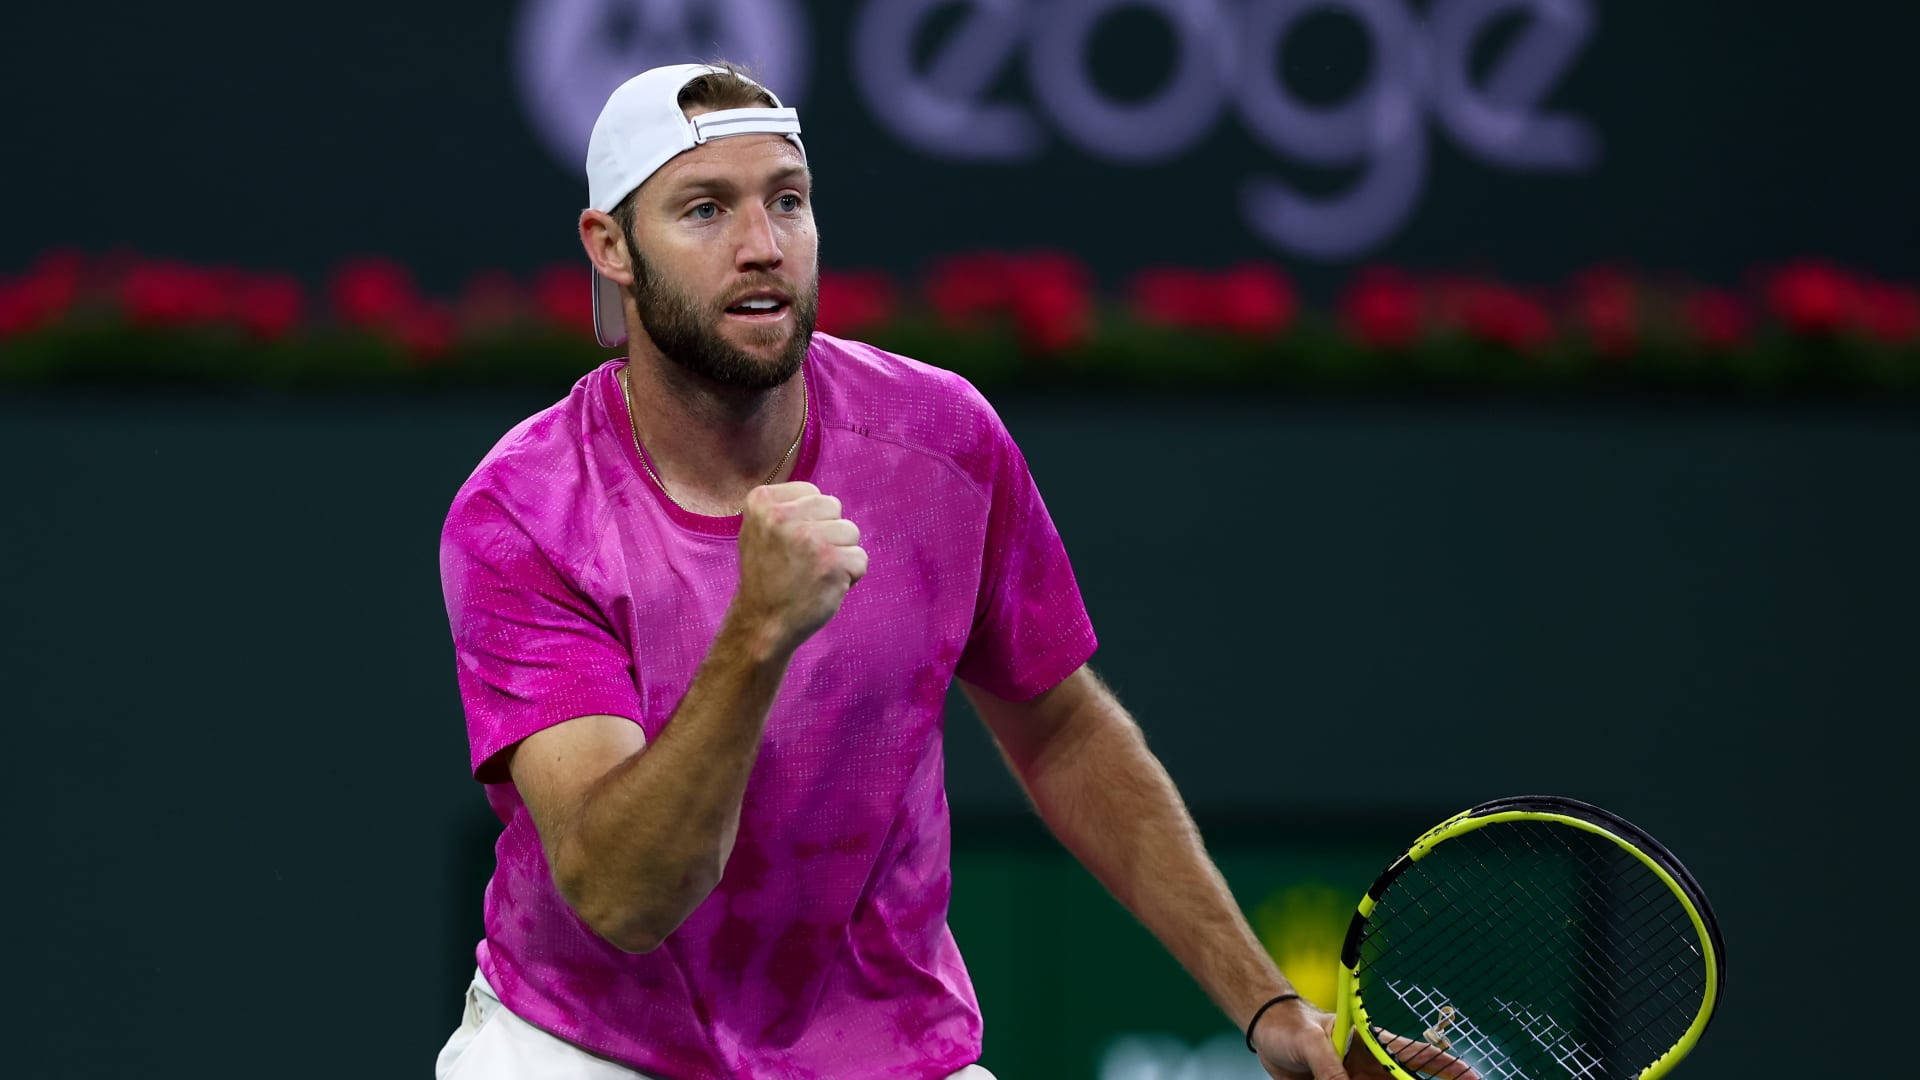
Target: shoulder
x=541, y=477
x=876, y=393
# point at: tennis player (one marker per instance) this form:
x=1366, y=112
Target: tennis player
x=706, y=610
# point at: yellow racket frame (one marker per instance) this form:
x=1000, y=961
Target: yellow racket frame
x=1350, y=1016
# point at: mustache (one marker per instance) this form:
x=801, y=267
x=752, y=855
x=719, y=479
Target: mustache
x=762, y=284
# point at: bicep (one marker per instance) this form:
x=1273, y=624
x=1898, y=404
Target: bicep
x=556, y=768
x=534, y=650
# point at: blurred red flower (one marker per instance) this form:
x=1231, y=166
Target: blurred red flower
x=1382, y=308
x=1052, y=299
x=1719, y=319
x=854, y=300
x=563, y=296
x=53, y=283
x=1172, y=296
x=1254, y=299
x=491, y=299
x=1048, y=295
x=1813, y=297
x=158, y=295
x=426, y=332
x=18, y=313
x=964, y=288
x=371, y=292
x=268, y=306
x=1505, y=316
x=1606, y=303
x=1891, y=312
x=44, y=294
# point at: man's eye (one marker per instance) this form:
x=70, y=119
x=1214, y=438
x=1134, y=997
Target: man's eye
x=789, y=203
x=705, y=211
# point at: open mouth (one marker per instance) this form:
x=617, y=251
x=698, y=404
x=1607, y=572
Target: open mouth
x=760, y=308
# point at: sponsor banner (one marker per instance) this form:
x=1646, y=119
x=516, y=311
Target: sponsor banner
x=1419, y=83
x=1524, y=137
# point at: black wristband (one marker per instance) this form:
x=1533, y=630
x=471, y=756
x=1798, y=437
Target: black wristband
x=1257, y=1013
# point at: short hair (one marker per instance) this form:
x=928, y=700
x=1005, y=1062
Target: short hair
x=732, y=87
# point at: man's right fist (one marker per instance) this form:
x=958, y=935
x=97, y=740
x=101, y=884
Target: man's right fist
x=798, y=558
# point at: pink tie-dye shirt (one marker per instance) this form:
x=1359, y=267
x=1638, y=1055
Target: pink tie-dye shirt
x=573, y=587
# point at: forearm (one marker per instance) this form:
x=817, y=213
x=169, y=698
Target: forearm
x=1109, y=800
x=650, y=839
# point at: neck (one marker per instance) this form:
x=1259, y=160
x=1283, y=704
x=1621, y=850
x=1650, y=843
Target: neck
x=711, y=444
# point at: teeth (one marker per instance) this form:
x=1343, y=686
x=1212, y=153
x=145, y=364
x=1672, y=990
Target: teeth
x=759, y=304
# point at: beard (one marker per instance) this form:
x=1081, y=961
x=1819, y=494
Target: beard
x=688, y=334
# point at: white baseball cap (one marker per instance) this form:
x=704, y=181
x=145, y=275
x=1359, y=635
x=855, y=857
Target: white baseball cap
x=642, y=128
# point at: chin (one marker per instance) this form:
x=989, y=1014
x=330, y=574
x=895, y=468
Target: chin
x=768, y=337
x=768, y=348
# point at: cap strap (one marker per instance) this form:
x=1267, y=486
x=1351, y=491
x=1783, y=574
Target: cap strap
x=713, y=125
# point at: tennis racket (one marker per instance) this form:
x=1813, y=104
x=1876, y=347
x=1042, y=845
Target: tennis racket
x=1533, y=938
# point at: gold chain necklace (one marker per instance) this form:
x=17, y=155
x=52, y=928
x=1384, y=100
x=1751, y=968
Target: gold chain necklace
x=633, y=425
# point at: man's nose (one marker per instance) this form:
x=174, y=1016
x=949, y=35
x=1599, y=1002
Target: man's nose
x=759, y=248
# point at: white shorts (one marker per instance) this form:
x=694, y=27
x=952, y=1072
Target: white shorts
x=494, y=1044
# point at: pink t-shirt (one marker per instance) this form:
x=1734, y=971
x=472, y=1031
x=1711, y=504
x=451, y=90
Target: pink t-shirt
x=574, y=587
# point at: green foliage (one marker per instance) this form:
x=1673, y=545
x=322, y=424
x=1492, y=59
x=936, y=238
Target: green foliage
x=1117, y=354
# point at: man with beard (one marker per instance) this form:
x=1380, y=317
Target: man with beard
x=706, y=704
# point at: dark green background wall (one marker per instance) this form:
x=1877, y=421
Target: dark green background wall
x=243, y=830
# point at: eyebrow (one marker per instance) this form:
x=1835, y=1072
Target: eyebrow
x=721, y=185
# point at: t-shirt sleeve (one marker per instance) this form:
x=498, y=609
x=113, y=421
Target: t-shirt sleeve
x=1030, y=626
x=532, y=649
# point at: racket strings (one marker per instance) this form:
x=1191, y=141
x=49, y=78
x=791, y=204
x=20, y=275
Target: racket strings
x=1597, y=978
x=1671, y=986
x=1466, y=1039
x=1492, y=925
x=1651, y=898
x=1464, y=930
x=1546, y=1033
x=1379, y=923
x=1608, y=978
x=1506, y=918
x=1463, y=1036
x=1556, y=954
x=1649, y=886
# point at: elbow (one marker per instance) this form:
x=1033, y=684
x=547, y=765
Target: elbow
x=632, y=921
x=632, y=941
x=627, y=927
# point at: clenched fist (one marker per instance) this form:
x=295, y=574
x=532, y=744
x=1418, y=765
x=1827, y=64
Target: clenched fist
x=798, y=558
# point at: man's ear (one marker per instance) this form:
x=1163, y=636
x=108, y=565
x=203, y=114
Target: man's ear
x=606, y=246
